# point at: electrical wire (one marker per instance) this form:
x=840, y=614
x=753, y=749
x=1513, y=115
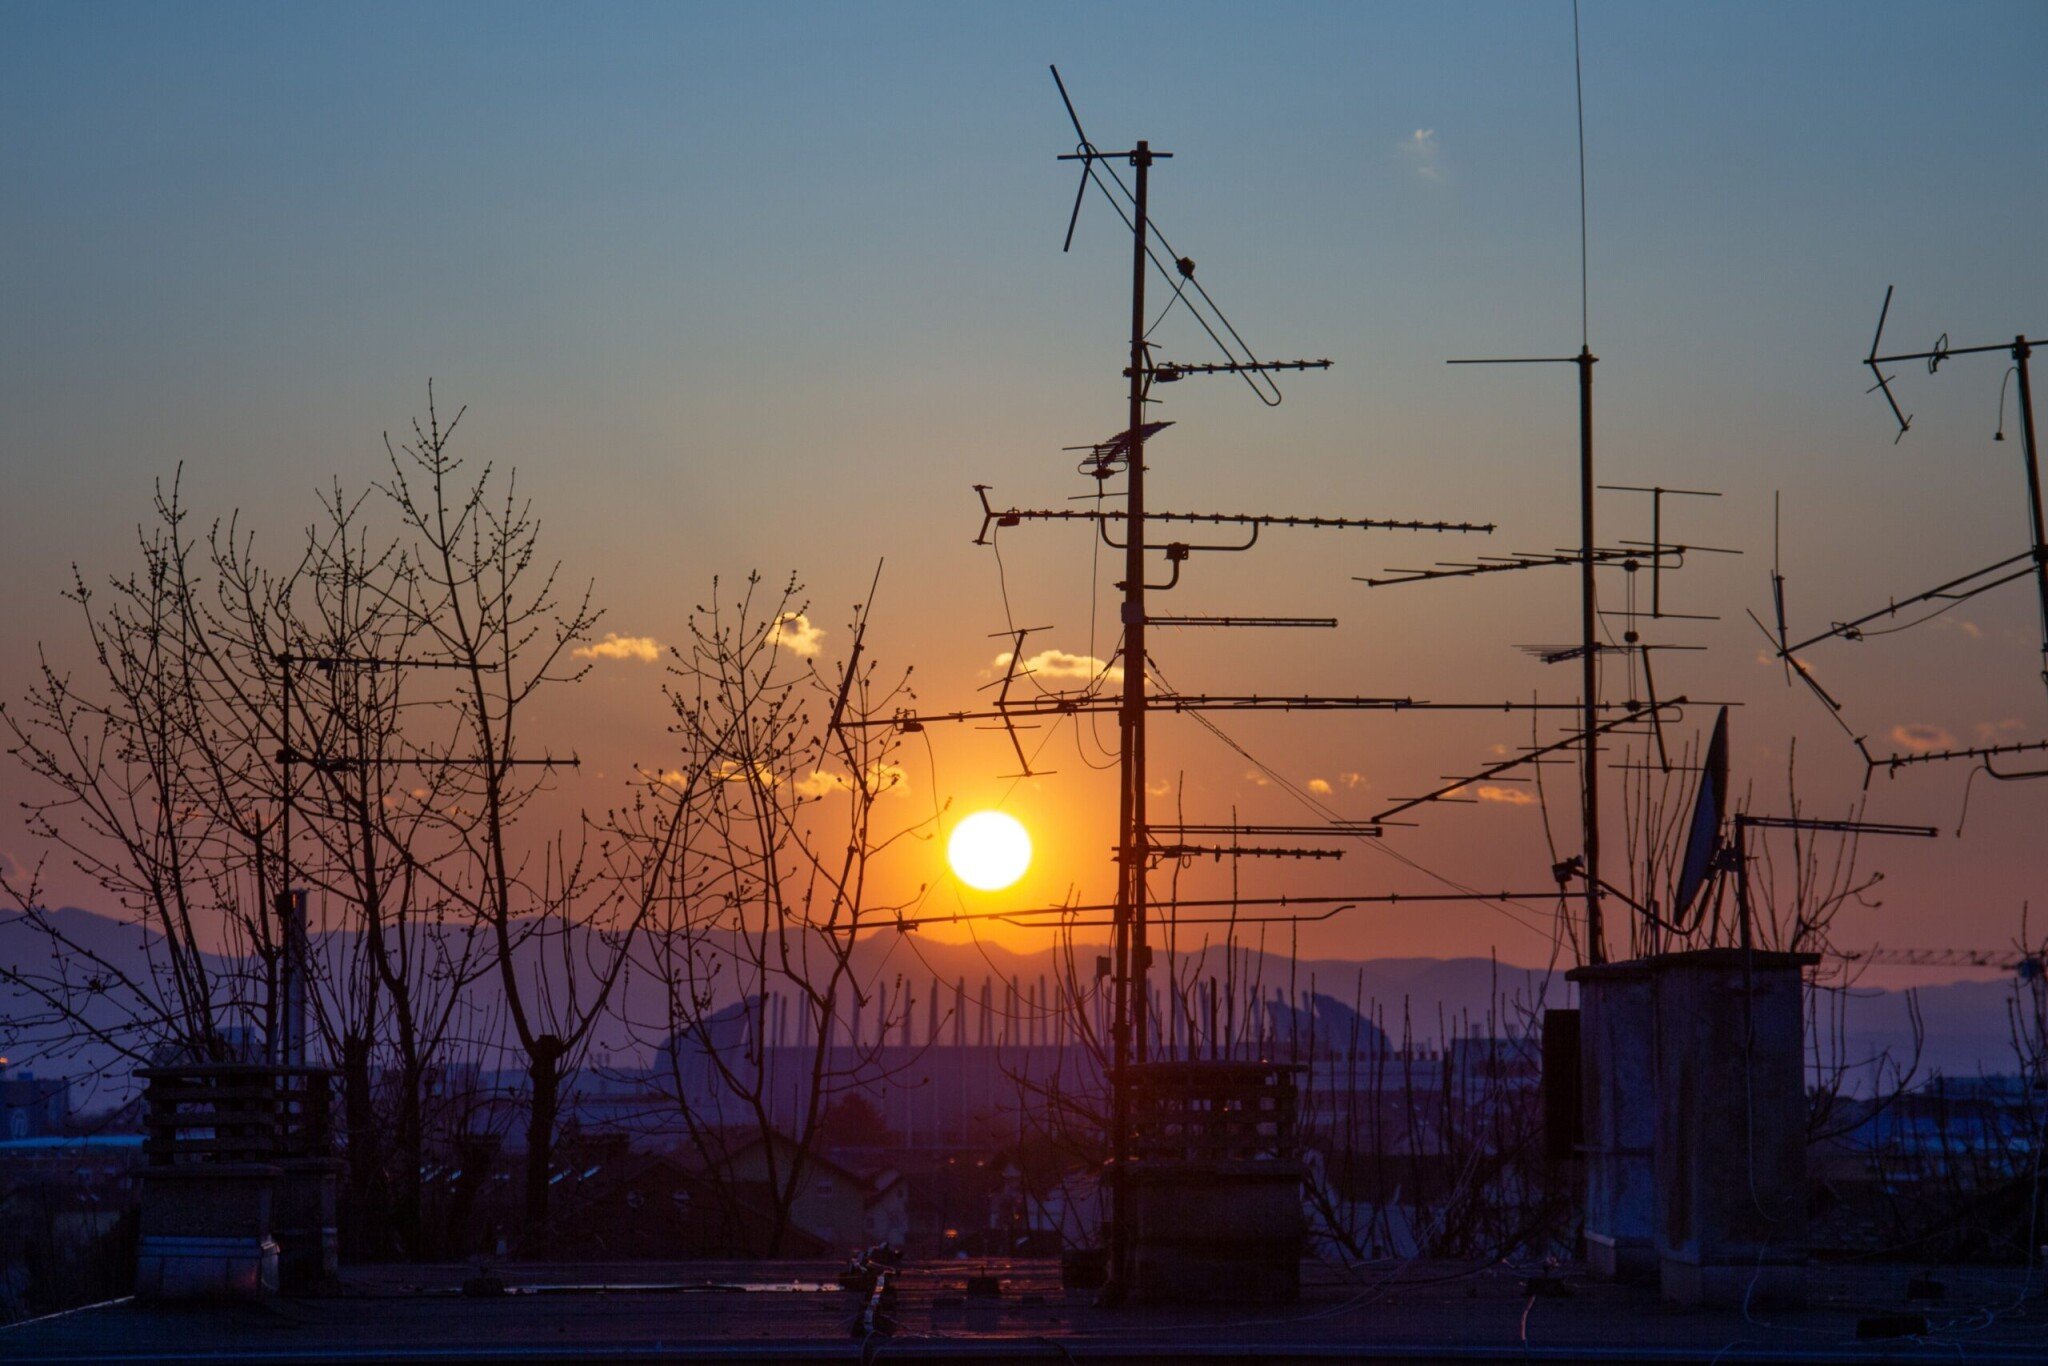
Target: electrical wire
x=1094, y=685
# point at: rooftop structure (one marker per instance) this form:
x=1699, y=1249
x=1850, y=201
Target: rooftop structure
x=1018, y=1311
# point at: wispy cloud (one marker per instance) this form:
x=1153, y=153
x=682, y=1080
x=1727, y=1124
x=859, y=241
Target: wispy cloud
x=882, y=778
x=1506, y=796
x=1422, y=152
x=1352, y=780
x=1256, y=778
x=1989, y=731
x=1920, y=738
x=793, y=632
x=733, y=771
x=1057, y=664
x=822, y=784
x=644, y=649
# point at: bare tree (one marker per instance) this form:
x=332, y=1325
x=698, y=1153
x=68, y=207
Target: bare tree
x=756, y=851
x=247, y=731
x=485, y=602
x=394, y=957
x=156, y=787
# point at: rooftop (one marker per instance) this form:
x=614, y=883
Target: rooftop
x=788, y=1311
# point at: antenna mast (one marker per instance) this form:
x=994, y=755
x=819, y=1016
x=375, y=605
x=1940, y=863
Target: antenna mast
x=2031, y=563
x=1131, y=955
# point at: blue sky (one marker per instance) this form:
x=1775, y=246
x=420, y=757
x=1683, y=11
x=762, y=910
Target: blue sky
x=769, y=286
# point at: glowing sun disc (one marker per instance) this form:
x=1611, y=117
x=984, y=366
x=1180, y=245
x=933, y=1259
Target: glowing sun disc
x=989, y=850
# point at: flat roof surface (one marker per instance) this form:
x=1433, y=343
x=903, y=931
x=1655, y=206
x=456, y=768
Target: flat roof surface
x=795, y=1311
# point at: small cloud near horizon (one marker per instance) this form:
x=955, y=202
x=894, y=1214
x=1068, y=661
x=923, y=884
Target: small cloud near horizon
x=822, y=784
x=1320, y=786
x=882, y=778
x=793, y=632
x=1920, y=738
x=1061, y=664
x=615, y=646
x=1505, y=796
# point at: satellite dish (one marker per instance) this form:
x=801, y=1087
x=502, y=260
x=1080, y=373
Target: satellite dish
x=1703, y=836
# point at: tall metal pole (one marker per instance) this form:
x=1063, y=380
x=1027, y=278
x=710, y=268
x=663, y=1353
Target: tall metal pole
x=2021, y=350
x=1134, y=619
x=1589, y=662
x=1128, y=932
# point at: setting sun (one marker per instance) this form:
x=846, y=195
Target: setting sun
x=989, y=850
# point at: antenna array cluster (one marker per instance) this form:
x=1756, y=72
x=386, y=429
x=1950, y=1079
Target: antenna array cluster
x=2031, y=563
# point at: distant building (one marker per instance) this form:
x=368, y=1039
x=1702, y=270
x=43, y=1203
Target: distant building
x=32, y=1107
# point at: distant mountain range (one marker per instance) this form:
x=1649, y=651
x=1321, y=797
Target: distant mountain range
x=1968, y=1024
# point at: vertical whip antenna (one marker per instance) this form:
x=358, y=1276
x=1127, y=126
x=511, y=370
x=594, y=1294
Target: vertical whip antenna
x=1579, y=88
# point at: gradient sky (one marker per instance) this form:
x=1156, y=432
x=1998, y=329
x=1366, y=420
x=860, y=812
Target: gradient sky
x=770, y=287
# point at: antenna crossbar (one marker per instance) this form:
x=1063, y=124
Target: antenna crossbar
x=339, y=763
x=1636, y=714
x=1623, y=556
x=1837, y=827
x=1223, y=851
x=1956, y=590
x=1085, y=704
x=1060, y=917
x=319, y=661
x=1323, y=622
x=1166, y=372
x=1351, y=829
x=1006, y=517
x=1898, y=761
x=1939, y=958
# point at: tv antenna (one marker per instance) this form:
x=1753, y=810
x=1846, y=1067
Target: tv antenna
x=2031, y=563
x=1131, y=530
x=1716, y=854
x=1589, y=556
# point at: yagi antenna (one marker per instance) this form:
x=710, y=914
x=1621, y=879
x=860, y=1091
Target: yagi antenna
x=1884, y=384
x=2031, y=563
x=1177, y=269
x=2020, y=350
x=1087, y=150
